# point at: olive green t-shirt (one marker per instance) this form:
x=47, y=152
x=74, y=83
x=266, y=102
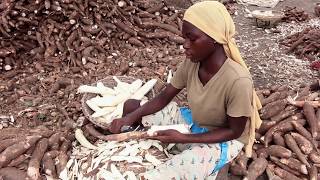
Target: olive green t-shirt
x=228, y=92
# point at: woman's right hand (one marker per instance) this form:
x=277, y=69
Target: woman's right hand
x=117, y=124
x=152, y=106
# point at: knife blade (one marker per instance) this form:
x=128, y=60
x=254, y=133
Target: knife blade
x=131, y=128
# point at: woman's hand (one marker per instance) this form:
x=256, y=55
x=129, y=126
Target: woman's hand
x=117, y=124
x=168, y=136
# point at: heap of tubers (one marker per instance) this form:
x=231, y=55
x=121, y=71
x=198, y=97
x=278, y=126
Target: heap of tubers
x=81, y=32
x=294, y=14
x=85, y=33
x=287, y=143
x=33, y=154
x=317, y=9
x=304, y=44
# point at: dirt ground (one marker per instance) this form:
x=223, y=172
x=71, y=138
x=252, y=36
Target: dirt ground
x=267, y=61
x=37, y=92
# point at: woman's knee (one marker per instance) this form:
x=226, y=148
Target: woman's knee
x=130, y=105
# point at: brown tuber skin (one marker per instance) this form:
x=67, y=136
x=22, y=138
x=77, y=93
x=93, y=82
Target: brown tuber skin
x=317, y=9
x=270, y=172
x=10, y=133
x=18, y=160
x=314, y=157
x=65, y=145
x=310, y=114
x=262, y=153
x=8, y=142
x=118, y=137
x=16, y=150
x=318, y=117
x=11, y=173
x=279, y=151
x=266, y=92
x=276, y=161
x=295, y=165
x=285, y=174
x=21, y=159
x=278, y=139
x=62, y=162
x=92, y=131
x=272, y=109
x=242, y=160
x=54, y=140
x=304, y=144
x=48, y=163
x=283, y=126
x=304, y=132
x=256, y=168
x=42, y=131
x=273, y=97
x=284, y=114
x=34, y=163
x=236, y=169
x=265, y=126
x=291, y=143
x=313, y=172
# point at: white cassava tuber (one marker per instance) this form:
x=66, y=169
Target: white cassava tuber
x=135, y=85
x=103, y=111
x=93, y=106
x=111, y=101
x=182, y=128
x=83, y=140
x=121, y=87
x=152, y=159
x=144, y=89
x=95, y=90
x=109, y=105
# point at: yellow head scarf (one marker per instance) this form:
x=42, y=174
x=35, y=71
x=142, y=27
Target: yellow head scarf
x=212, y=18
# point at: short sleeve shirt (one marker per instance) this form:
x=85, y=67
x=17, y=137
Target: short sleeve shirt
x=228, y=92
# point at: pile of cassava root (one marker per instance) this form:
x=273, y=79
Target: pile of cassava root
x=82, y=31
x=304, y=44
x=34, y=154
x=294, y=14
x=287, y=142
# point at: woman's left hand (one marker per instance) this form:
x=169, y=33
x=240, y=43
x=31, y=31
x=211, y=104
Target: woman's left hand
x=168, y=136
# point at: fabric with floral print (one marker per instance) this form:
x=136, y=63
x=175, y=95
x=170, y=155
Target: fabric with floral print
x=196, y=161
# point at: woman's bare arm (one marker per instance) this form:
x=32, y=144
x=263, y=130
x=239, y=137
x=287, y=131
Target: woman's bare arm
x=152, y=106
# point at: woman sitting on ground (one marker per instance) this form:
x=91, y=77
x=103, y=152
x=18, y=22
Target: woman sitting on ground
x=223, y=104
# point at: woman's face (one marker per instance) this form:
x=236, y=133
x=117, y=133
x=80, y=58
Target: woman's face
x=198, y=45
